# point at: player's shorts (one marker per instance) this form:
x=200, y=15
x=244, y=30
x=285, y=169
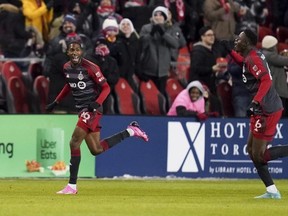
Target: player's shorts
x=89, y=121
x=264, y=127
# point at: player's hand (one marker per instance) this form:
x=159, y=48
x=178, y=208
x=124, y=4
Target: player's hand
x=226, y=44
x=94, y=106
x=51, y=106
x=254, y=109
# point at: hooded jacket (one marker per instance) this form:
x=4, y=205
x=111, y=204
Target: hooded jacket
x=183, y=99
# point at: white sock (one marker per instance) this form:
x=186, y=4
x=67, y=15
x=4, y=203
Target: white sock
x=272, y=189
x=130, y=131
x=73, y=186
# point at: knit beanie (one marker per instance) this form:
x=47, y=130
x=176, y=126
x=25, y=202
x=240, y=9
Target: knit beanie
x=110, y=24
x=70, y=18
x=269, y=42
x=163, y=10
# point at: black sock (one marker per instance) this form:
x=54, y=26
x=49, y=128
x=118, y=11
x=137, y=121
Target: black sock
x=116, y=138
x=263, y=172
x=74, y=165
x=276, y=152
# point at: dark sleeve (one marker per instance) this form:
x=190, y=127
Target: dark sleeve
x=182, y=111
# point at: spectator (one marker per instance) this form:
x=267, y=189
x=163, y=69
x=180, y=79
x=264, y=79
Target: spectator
x=107, y=9
x=220, y=15
x=87, y=18
x=109, y=36
x=39, y=14
x=130, y=44
x=277, y=63
x=240, y=94
x=157, y=39
x=13, y=35
x=203, y=64
x=176, y=30
x=108, y=66
x=190, y=102
x=203, y=59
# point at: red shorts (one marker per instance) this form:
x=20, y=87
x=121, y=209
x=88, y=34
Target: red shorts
x=264, y=127
x=89, y=121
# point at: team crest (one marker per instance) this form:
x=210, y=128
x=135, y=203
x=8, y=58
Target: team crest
x=80, y=76
x=255, y=68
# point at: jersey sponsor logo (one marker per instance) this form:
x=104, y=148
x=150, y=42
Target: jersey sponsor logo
x=186, y=151
x=73, y=85
x=81, y=85
x=98, y=74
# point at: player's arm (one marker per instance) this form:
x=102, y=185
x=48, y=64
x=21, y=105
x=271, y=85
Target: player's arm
x=261, y=72
x=64, y=92
x=96, y=74
x=237, y=57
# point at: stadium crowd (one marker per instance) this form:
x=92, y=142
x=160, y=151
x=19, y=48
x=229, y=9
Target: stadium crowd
x=166, y=44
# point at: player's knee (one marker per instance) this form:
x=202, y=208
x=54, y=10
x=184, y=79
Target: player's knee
x=258, y=157
x=96, y=152
x=75, y=143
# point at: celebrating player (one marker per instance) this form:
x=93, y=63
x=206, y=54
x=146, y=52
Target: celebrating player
x=89, y=89
x=264, y=111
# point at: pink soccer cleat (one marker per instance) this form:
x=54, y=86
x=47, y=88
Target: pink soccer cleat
x=67, y=190
x=138, y=132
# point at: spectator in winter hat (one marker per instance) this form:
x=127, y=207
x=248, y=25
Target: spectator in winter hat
x=160, y=15
x=277, y=64
x=269, y=42
x=69, y=23
x=110, y=29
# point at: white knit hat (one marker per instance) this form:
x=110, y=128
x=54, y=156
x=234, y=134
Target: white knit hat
x=162, y=9
x=110, y=24
x=269, y=42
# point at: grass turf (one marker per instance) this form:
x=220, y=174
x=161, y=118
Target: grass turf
x=120, y=197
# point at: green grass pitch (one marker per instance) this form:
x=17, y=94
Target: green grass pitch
x=149, y=197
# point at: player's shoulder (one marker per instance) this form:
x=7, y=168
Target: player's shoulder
x=67, y=65
x=89, y=63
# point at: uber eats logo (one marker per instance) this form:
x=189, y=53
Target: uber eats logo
x=186, y=147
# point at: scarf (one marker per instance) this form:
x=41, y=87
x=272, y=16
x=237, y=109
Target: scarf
x=180, y=8
x=105, y=10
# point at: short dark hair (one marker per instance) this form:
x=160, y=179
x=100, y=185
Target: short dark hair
x=251, y=36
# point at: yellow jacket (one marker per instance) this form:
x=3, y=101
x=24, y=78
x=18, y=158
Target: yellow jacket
x=38, y=17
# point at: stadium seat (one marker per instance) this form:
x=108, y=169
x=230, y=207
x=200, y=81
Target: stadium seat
x=17, y=96
x=224, y=91
x=109, y=105
x=35, y=69
x=173, y=88
x=282, y=34
x=128, y=102
x=9, y=69
x=153, y=102
x=263, y=31
x=41, y=90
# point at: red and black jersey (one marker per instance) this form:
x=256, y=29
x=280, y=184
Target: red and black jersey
x=86, y=82
x=258, y=80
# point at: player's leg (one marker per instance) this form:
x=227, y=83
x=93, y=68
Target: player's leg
x=258, y=149
x=77, y=137
x=97, y=147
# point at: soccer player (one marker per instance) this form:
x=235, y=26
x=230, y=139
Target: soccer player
x=265, y=109
x=89, y=89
